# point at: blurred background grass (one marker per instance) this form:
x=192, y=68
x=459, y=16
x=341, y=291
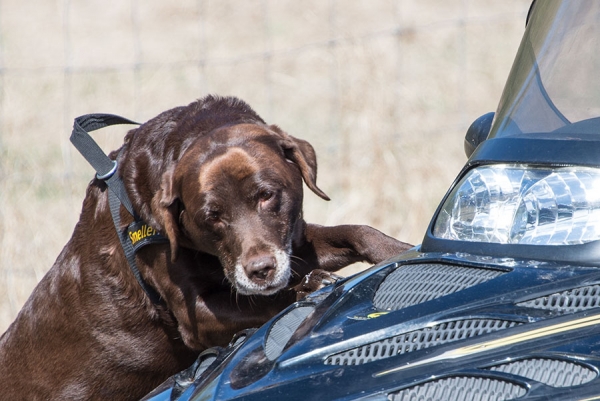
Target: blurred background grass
x=383, y=89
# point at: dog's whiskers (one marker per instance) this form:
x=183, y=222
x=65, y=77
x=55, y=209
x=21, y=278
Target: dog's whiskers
x=295, y=273
x=297, y=258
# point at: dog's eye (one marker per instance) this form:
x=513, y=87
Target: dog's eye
x=213, y=216
x=265, y=195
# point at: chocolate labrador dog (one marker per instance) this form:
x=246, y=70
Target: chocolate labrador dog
x=225, y=189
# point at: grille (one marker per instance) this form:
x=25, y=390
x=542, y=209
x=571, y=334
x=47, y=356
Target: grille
x=282, y=330
x=552, y=372
x=414, y=284
x=207, y=361
x=415, y=340
x=461, y=388
x=569, y=301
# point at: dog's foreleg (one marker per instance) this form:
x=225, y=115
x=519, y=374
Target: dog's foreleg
x=332, y=248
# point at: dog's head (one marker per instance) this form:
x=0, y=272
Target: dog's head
x=238, y=195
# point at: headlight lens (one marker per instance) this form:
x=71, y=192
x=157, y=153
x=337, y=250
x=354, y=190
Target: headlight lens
x=518, y=204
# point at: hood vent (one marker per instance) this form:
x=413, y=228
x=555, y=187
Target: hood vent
x=282, y=330
x=461, y=388
x=414, y=284
x=551, y=372
x=570, y=301
x=415, y=340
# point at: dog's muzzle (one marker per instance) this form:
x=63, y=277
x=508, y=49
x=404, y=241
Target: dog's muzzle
x=263, y=275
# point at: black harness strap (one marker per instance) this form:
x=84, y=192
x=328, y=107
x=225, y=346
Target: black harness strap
x=117, y=196
x=89, y=149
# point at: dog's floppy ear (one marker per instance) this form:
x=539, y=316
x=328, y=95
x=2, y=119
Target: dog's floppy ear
x=302, y=154
x=167, y=211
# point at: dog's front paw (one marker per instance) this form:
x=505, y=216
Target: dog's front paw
x=313, y=281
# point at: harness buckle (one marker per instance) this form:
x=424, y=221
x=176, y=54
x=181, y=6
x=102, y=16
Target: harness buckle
x=112, y=171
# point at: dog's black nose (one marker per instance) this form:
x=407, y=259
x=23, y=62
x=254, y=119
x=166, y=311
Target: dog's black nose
x=261, y=268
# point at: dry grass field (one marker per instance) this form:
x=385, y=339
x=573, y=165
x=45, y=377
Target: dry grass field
x=383, y=89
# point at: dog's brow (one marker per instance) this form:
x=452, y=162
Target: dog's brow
x=234, y=162
x=271, y=176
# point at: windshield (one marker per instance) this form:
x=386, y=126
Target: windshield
x=553, y=89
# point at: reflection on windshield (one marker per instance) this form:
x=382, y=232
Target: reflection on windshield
x=554, y=84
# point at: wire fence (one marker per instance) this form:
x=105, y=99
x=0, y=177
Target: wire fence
x=383, y=89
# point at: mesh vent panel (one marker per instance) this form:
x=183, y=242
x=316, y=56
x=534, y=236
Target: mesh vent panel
x=205, y=364
x=552, y=372
x=283, y=329
x=569, y=301
x=415, y=340
x=414, y=284
x=461, y=388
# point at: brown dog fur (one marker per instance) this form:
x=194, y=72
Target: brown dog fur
x=226, y=190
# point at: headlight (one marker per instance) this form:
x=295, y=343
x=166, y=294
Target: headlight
x=519, y=204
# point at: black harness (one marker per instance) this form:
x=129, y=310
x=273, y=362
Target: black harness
x=138, y=233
